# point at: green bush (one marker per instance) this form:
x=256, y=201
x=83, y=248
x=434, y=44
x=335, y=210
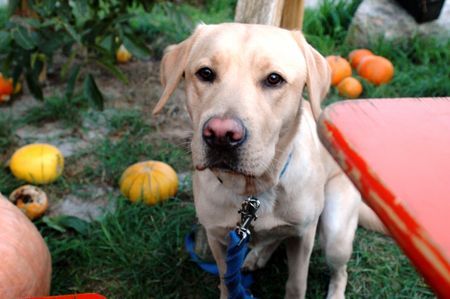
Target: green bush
x=85, y=32
x=168, y=23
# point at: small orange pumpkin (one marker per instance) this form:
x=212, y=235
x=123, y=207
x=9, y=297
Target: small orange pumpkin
x=350, y=88
x=376, y=69
x=355, y=56
x=31, y=200
x=123, y=55
x=340, y=68
x=149, y=181
x=6, y=88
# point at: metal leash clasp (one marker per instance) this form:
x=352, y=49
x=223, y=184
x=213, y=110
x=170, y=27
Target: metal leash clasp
x=248, y=214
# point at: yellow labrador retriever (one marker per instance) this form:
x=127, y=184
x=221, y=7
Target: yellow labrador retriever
x=254, y=135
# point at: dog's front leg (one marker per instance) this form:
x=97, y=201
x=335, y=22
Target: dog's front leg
x=219, y=252
x=298, y=253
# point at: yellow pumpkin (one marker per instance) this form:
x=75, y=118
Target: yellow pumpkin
x=123, y=55
x=31, y=200
x=37, y=163
x=149, y=181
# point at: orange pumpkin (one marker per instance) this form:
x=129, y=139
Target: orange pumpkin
x=376, y=69
x=355, y=56
x=340, y=68
x=25, y=260
x=6, y=88
x=31, y=200
x=123, y=55
x=350, y=88
x=6, y=85
x=149, y=181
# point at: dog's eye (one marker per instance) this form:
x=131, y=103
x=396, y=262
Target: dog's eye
x=274, y=80
x=206, y=74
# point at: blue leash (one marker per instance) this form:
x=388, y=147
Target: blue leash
x=237, y=283
x=189, y=244
x=211, y=267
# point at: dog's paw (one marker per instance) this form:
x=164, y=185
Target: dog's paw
x=250, y=262
x=255, y=260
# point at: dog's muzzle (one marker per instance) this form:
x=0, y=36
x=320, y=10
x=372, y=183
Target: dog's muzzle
x=223, y=137
x=221, y=133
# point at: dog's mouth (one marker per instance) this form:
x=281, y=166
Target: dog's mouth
x=235, y=170
x=222, y=167
x=223, y=163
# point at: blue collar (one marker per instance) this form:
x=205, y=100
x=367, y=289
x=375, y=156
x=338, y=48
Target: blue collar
x=286, y=165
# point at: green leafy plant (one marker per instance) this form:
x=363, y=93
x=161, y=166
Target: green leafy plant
x=84, y=32
x=54, y=108
x=63, y=223
x=169, y=23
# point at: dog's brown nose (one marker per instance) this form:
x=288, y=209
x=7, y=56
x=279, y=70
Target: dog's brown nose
x=224, y=132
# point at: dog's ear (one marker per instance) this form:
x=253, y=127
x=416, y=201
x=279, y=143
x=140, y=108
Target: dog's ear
x=318, y=74
x=172, y=68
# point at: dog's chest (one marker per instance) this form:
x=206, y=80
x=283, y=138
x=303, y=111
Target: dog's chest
x=286, y=210
x=283, y=215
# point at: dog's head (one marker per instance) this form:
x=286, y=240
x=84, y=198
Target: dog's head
x=244, y=87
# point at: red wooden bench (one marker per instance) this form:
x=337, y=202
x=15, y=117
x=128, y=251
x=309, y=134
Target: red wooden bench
x=397, y=153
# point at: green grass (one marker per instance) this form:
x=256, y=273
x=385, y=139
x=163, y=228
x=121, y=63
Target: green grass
x=421, y=63
x=127, y=144
x=7, y=139
x=7, y=181
x=387, y=274
x=3, y=16
x=128, y=122
x=57, y=108
x=7, y=145
x=326, y=27
x=137, y=251
x=168, y=23
x=421, y=69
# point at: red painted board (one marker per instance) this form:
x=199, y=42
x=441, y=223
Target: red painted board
x=72, y=296
x=397, y=153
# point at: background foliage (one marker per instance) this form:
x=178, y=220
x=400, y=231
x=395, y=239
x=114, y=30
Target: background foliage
x=83, y=32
